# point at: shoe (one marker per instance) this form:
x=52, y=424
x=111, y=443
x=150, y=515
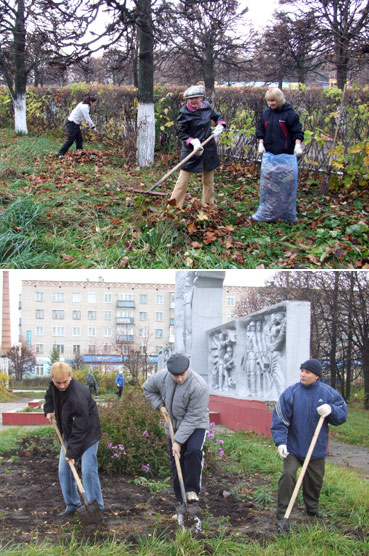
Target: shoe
x=317, y=515
x=66, y=513
x=192, y=497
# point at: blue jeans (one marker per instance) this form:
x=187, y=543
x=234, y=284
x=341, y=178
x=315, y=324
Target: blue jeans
x=90, y=479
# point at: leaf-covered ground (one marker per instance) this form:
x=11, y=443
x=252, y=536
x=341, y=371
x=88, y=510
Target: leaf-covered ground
x=82, y=211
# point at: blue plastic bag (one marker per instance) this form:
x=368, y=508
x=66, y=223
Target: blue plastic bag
x=278, y=188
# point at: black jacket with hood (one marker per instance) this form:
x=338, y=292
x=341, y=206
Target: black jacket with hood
x=280, y=128
x=196, y=125
x=76, y=414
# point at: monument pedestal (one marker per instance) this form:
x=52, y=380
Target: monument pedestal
x=238, y=414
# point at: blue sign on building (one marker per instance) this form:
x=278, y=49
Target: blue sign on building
x=29, y=338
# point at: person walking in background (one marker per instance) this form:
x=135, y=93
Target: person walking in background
x=182, y=395
x=80, y=113
x=280, y=134
x=91, y=383
x=119, y=381
x=295, y=418
x=71, y=405
x=194, y=127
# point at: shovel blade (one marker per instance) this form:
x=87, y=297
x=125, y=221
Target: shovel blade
x=91, y=516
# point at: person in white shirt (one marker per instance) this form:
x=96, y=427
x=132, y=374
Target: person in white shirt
x=80, y=113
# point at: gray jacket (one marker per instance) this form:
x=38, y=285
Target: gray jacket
x=187, y=403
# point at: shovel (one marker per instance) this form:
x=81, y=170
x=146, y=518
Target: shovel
x=90, y=513
x=151, y=190
x=285, y=523
x=183, y=507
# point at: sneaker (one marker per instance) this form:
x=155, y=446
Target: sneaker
x=192, y=497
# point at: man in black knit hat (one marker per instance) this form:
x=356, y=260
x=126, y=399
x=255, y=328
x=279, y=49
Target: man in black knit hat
x=295, y=418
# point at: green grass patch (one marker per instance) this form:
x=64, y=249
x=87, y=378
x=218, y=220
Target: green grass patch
x=355, y=430
x=82, y=212
x=10, y=438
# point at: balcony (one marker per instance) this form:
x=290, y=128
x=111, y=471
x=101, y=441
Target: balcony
x=122, y=339
x=125, y=320
x=125, y=303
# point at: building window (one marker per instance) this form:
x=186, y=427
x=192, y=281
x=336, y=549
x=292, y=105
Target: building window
x=59, y=347
x=143, y=299
x=159, y=299
x=230, y=301
x=91, y=297
x=108, y=332
x=39, y=370
x=58, y=297
x=159, y=316
x=40, y=314
x=125, y=349
x=91, y=331
x=159, y=332
x=76, y=349
x=108, y=315
x=108, y=298
x=142, y=332
x=92, y=348
x=108, y=348
x=56, y=314
x=39, y=296
x=39, y=348
x=76, y=331
x=58, y=330
x=76, y=298
x=39, y=331
x=91, y=315
x=76, y=315
x=142, y=316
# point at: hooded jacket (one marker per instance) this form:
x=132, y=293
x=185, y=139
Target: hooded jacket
x=295, y=418
x=279, y=128
x=187, y=403
x=195, y=124
x=77, y=416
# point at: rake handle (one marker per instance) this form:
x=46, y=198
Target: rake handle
x=71, y=465
x=304, y=467
x=176, y=459
x=180, y=163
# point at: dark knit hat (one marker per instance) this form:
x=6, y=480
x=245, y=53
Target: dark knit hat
x=312, y=365
x=178, y=363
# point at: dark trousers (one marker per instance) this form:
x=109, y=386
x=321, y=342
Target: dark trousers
x=92, y=388
x=119, y=392
x=74, y=134
x=192, y=461
x=311, y=484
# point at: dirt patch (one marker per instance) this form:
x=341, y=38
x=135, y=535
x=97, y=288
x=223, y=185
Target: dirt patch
x=31, y=499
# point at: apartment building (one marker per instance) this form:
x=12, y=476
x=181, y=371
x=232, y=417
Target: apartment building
x=101, y=321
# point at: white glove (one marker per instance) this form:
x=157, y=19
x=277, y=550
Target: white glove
x=298, y=149
x=324, y=410
x=197, y=146
x=218, y=130
x=261, y=149
x=282, y=450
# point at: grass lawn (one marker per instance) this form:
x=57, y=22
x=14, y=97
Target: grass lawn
x=355, y=430
x=82, y=212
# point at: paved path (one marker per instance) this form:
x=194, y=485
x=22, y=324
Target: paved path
x=11, y=406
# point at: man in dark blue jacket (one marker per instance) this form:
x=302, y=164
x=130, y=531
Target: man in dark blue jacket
x=295, y=418
x=69, y=403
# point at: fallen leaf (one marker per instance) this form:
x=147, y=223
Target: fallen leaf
x=67, y=257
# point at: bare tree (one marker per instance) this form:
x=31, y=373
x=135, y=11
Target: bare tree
x=22, y=360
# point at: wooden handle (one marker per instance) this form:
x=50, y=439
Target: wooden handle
x=180, y=163
x=306, y=463
x=176, y=459
x=71, y=465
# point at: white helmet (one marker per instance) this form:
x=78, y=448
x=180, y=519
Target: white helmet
x=194, y=91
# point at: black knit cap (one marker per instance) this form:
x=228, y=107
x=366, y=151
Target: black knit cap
x=312, y=365
x=178, y=363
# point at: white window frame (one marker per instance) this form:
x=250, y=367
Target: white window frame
x=39, y=331
x=159, y=316
x=108, y=315
x=108, y=298
x=39, y=296
x=91, y=331
x=159, y=299
x=108, y=332
x=231, y=300
x=91, y=297
x=76, y=331
x=40, y=314
x=159, y=332
x=58, y=297
x=76, y=297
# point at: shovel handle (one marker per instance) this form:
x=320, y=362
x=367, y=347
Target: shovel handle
x=176, y=459
x=71, y=465
x=180, y=163
x=306, y=463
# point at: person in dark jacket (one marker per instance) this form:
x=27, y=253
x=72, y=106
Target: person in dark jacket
x=71, y=405
x=194, y=127
x=295, y=418
x=183, y=396
x=279, y=130
x=91, y=382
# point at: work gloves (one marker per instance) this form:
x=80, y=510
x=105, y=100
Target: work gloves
x=282, y=450
x=324, y=410
x=196, y=144
x=298, y=149
x=261, y=150
x=218, y=130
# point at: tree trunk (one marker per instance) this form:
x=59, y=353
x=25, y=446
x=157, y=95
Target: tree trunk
x=209, y=78
x=145, y=94
x=333, y=348
x=20, y=81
